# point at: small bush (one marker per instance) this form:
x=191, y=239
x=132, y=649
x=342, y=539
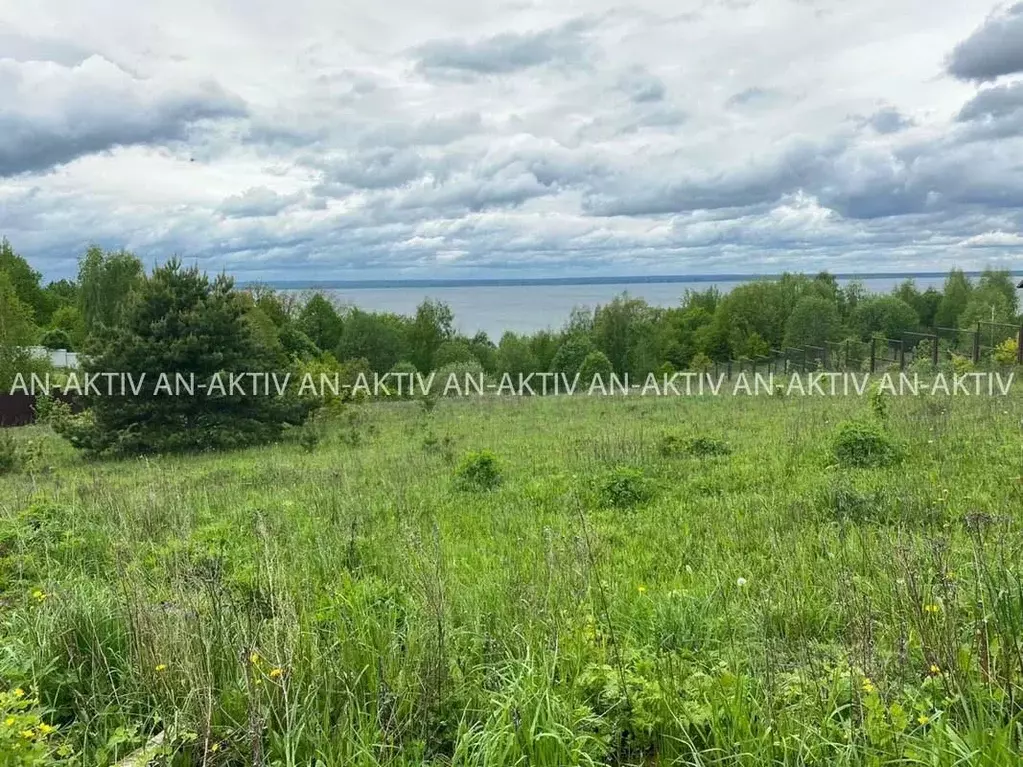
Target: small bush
x=625, y=488
x=51, y=411
x=479, y=470
x=864, y=445
x=673, y=445
x=10, y=456
x=704, y=447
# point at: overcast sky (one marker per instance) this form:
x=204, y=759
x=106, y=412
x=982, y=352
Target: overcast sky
x=316, y=139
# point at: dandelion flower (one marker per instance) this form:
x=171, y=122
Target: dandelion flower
x=276, y=673
x=160, y=667
x=923, y=719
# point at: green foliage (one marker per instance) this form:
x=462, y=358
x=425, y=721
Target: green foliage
x=432, y=325
x=515, y=357
x=478, y=471
x=181, y=323
x=320, y=322
x=864, y=445
x=380, y=339
x=571, y=355
x=26, y=739
x=625, y=487
x=455, y=351
x=701, y=363
x=107, y=282
x=56, y=339
x=706, y=447
x=1006, y=352
x=16, y=332
x=887, y=316
x=10, y=454
x=813, y=322
x=596, y=364
x=24, y=282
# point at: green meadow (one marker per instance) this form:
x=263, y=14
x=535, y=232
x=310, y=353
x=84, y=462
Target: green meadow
x=529, y=581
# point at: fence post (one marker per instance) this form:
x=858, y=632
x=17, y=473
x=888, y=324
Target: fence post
x=934, y=352
x=729, y=370
x=873, y=354
x=1019, y=346
x=976, y=345
x=902, y=354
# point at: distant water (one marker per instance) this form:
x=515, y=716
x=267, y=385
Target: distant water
x=528, y=308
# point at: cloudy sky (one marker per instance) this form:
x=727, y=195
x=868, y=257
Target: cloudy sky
x=316, y=139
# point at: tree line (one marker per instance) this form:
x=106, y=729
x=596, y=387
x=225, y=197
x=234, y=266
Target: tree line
x=175, y=318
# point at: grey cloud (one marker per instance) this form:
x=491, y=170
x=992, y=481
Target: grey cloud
x=642, y=86
x=992, y=103
x=51, y=114
x=504, y=53
x=993, y=50
x=27, y=48
x=256, y=202
x=754, y=97
x=435, y=131
x=888, y=120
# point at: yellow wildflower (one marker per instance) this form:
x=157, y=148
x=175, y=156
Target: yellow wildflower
x=215, y=747
x=160, y=667
x=9, y=721
x=932, y=608
x=39, y=596
x=868, y=686
x=935, y=669
x=254, y=657
x=276, y=673
x=27, y=734
x=641, y=589
x=923, y=719
x=45, y=729
x=19, y=693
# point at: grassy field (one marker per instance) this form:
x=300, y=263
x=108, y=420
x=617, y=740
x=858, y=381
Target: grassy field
x=634, y=582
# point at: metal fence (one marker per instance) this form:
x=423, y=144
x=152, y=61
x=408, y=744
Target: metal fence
x=980, y=344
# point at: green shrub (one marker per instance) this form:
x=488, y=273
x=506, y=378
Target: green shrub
x=595, y=364
x=673, y=445
x=10, y=456
x=625, y=487
x=864, y=445
x=478, y=470
x=705, y=447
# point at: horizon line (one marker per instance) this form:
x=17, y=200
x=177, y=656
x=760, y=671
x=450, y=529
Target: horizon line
x=468, y=282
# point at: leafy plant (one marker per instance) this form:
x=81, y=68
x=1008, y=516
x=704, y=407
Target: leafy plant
x=625, y=487
x=864, y=445
x=478, y=470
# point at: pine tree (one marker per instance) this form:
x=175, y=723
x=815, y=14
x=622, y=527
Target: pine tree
x=179, y=322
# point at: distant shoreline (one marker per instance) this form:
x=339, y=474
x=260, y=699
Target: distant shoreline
x=500, y=282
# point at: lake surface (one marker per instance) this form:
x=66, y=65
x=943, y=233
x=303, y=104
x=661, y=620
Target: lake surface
x=528, y=308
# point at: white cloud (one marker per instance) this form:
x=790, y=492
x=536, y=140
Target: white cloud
x=309, y=139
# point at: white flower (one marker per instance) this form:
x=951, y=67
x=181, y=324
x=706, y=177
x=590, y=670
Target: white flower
x=740, y=582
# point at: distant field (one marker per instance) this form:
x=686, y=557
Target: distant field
x=647, y=582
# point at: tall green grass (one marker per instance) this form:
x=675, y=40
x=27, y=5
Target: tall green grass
x=612, y=595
